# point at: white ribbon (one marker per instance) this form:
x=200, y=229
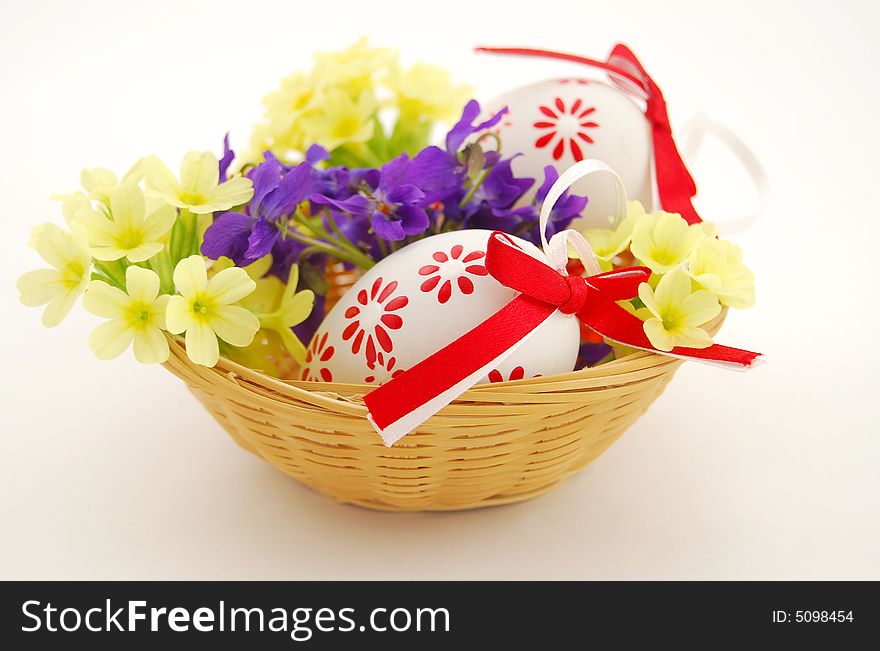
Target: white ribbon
x=691, y=136
x=556, y=249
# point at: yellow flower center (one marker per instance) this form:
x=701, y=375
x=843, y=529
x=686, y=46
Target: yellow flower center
x=201, y=306
x=301, y=101
x=665, y=256
x=131, y=240
x=346, y=127
x=670, y=321
x=73, y=274
x=192, y=198
x=140, y=314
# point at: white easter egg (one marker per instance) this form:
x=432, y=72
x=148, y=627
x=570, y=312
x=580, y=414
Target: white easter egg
x=418, y=300
x=560, y=122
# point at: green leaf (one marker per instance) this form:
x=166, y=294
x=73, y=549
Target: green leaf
x=379, y=142
x=409, y=138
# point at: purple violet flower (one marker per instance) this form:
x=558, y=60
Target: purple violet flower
x=247, y=236
x=465, y=126
x=492, y=204
x=316, y=154
x=436, y=170
x=226, y=160
x=396, y=206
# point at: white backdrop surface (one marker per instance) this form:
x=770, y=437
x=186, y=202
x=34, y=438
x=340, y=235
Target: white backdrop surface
x=112, y=470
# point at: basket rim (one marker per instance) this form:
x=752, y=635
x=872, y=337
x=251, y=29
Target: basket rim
x=348, y=397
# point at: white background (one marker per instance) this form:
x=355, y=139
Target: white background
x=112, y=470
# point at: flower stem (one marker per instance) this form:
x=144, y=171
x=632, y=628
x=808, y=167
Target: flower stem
x=111, y=271
x=474, y=187
x=355, y=257
x=164, y=268
x=340, y=236
x=339, y=240
x=493, y=136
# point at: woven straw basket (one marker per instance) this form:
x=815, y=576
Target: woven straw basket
x=498, y=443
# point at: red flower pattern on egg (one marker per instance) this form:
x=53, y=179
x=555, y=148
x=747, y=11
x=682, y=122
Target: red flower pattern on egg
x=372, y=318
x=518, y=373
x=566, y=124
x=318, y=353
x=383, y=369
x=452, y=267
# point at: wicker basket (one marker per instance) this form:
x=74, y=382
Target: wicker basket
x=498, y=443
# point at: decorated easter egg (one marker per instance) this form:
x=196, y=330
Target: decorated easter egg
x=420, y=299
x=560, y=122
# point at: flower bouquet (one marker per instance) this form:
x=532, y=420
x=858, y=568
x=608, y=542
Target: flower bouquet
x=346, y=276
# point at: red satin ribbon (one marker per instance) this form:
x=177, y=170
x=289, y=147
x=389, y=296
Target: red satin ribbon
x=675, y=185
x=543, y=291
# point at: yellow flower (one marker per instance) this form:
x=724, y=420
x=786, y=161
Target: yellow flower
x=255, y=270
x=280, y=307
x=642, y=313
x=341, y=119
x=199, y=189
x=97, y=183
x=298, y=94
x=71, y=204
x=136, y=315
x=280, y=129
x=677, y=312
x=709, y=229
x=57, y=288
x=663, y=241
x=204, y=309
x=427, y=91
x=610, y=242
x=354, y=67
x=717, y=265
x=126, y=230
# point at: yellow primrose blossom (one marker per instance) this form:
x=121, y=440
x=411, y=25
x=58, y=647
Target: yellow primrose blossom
x=280, y=130
x=717, y=266
x=610, y=242
x=280, y=307
x=426, y=91
x=136, y=315
x=199, y=189
x=97, y=183
x=355, y=67
x=677, y=312
x=71, y=204
x=342, y=119
x=205, y=311
x=256, y=270
x=642, y=313
x=127, y=231
x=663, y=241
x=57, y=288
x=709, y=228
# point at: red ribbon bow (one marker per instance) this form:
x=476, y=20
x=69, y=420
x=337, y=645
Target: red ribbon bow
x=675, y=185
x=410, y=398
